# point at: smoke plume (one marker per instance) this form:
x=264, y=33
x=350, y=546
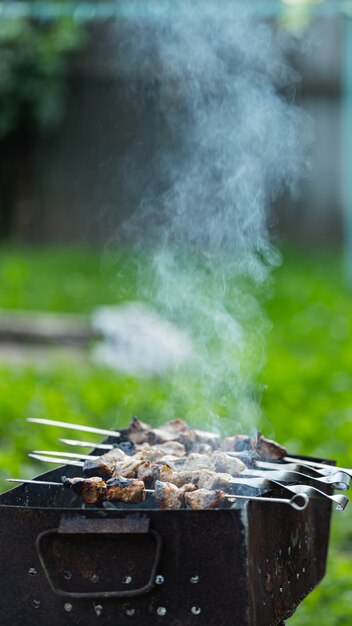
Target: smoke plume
x=225, y=140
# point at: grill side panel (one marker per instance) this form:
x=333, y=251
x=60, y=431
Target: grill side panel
x=287, y=557
x=202, y=572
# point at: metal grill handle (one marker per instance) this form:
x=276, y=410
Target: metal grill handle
x=81, y=525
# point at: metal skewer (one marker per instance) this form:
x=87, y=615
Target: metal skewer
x=87, y=444
x=33, y=482
x=68, y=455
x=56, y=460
x=84, y=429
x=299, y=502
x=297, y=467
x=316, y=464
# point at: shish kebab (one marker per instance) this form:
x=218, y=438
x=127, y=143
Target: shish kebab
x=210, y=481
x=94, y=491
x=146, y=450
x=211, y=469
x=112, y=464
x=242, y=440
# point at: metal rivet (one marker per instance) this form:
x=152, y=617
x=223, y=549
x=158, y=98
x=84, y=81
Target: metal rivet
x=98, y=609
x=94, y=578
x=68, y=607
x=36, y=604
x=32, y=571
x=67, y=574
x=127, y=580
x=130, y=612
x=194, y=579
x=196, y=610
x=159, y=579
x=161, y=610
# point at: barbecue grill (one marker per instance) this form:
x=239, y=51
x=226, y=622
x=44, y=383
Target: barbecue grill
x=249, y=565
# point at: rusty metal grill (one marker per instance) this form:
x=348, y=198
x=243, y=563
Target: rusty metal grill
x=246, y=566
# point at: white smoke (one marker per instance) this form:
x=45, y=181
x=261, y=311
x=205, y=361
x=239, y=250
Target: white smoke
x=231, y=142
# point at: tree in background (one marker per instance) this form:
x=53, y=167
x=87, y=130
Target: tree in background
x=35, y=57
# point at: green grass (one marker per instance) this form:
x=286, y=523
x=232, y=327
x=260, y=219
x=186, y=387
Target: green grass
x=307, y=402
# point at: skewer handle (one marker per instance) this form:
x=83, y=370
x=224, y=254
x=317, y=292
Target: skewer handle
x=316, y=464
x=299, y=502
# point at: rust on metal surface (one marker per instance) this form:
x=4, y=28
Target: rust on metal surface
x=73, y=524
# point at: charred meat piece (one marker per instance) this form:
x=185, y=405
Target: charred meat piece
x=168, y=496
x=154, y=453
x=95, y=490
x=229, y=464
x=218, y=461
x=127, y=447
x=205, y=499
x=130, y=468
x=174, y=430
x=105, y=464
x=92, y=490
x=196, y=461
x=211, y=439
x=236, y=443
x=136, y=431
x=128, y=490
x=140, y=433
x=172, y=447
x=202, y=448
x=149, y=473
x=248, y=457
x=267, y=449
x=203, y=478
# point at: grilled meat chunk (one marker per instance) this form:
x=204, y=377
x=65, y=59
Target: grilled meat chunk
x=149, y=473
x=267, y=449
x=218, y=461
x=236, y=443
x=174, y=430
x=92, y=490
x=137, y=430
x=105, y=464
x=95, y=490
x=205, y=499
x=229, y=464
x=211, y=439
x=168, y=496
x=128, y=490
x=196, y=461
x=203, y=478
x=154, y=453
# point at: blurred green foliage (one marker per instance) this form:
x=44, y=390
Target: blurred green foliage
x=34, y=60
x=307, y=403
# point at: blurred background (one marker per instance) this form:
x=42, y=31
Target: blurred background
x=69, y=113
